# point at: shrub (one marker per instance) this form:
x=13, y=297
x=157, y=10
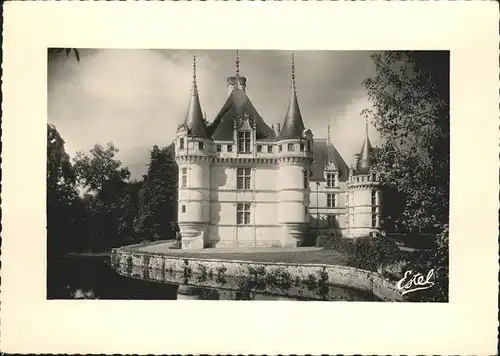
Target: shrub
x=437, y=259
x=363, y=252
x=309, y=240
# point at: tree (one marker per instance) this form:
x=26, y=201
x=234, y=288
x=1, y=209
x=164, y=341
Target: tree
x=99, y=168
x=129, y=210
x=158, y=196
x=68, y=51
x=64, y=213
x=58, y=163
x=410, y=96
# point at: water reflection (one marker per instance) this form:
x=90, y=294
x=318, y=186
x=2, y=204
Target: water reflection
x=95, y=278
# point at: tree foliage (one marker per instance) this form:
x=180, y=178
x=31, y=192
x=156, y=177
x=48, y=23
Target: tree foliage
x=158, y=196
x=63, y=208
x=410, y=96
x=59, y=167
x=98, y=168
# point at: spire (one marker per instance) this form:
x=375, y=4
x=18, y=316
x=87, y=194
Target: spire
x=194, y=117
x=237, y=63
x=365, y=160
x=328, y=137
x=195, y=87
x=238, y=78
x=293, y=126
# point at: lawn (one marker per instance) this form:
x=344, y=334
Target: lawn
x=286, y=255
x=305, y=257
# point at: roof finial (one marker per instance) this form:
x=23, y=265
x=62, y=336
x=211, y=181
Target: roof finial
x=293, y=74
x=237, y=63
x=328, y=138
x=366, y=126
x=195, y=87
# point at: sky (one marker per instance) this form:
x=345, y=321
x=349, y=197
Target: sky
x=137, y=98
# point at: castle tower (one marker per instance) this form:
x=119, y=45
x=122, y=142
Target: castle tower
x=364, y=194
x=193, y=149
x=295, y=155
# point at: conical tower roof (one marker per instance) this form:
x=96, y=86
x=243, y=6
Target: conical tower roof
x=293, y=127
x=194, y=117
x=365, y=156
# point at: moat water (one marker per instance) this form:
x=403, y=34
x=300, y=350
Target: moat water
x=96, y=278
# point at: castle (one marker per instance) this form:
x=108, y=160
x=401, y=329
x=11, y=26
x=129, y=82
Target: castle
x=243, y=183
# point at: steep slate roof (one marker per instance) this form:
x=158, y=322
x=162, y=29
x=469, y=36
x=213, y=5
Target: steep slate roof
x=293, y=127
x=325, y=151
x=194, y=117
x=365, y=160
x=237, y=103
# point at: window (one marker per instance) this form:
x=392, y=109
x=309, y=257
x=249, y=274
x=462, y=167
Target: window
x=219, y=148
x=330, y=180
x=183, y=208
x=331, y=221
x=244, y=141
x=374, y=216
x=243, y=213
x=259, y=148
x=330, y=200
x=302, y=146
x=281, y=148
x=309, y=146
x=244, y=177
x=306, y=210
x=374, y=197
x=184, y=178
x=229, y=148
x=200, y=145
x=290, y=147
x=306, y=179
x=269, y=149
x=181, y=144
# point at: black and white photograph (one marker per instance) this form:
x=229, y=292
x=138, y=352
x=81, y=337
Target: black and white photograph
x=248, y=175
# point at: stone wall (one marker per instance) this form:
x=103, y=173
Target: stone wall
x=340, y=276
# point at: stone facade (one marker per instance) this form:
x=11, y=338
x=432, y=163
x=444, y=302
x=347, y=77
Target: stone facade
x=243, y=183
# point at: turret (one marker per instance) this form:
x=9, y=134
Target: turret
x=193, y=150
x=364, y=191
x=295, y=155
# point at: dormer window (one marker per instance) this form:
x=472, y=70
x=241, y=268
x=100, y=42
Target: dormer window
x=219, y=148
x=290, y=147
x=181, y=144
x=331, y=180
x=244, y=141
x=269, y=149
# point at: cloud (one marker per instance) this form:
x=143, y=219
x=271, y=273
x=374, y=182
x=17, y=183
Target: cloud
x=136, y=98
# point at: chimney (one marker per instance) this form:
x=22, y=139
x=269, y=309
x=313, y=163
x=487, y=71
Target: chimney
x=277, y=129
x=236, y=82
